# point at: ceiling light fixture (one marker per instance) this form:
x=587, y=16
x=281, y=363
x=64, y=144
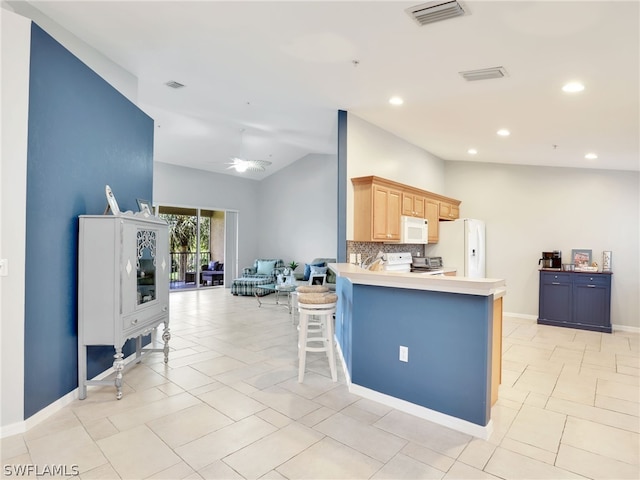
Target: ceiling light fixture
x=242, y=165
x=503, y=132
x=573, y=87
x=472, y=151
x=591, y=156
x=396, y=101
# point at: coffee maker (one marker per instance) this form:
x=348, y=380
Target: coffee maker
x=551, y=260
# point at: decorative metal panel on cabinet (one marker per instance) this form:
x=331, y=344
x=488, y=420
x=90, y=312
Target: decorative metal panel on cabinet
x=123, y=287
x=575, y=299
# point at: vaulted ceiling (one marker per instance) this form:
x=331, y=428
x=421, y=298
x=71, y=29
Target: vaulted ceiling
x=279, y=71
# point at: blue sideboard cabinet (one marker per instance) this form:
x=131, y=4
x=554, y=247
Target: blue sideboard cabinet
x=575, y=299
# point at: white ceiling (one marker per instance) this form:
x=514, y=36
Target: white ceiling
x=281, y=70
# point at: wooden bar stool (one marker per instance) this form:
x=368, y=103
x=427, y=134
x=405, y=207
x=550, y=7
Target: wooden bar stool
x=315, y=328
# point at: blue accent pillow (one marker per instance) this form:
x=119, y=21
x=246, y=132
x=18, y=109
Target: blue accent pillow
x=318, y=270
x=213, y=265
x=307, y=269
x=266, y=267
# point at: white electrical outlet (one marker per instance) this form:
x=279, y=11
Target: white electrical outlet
x=352, y=258
x=359, y=258
x=404, y=354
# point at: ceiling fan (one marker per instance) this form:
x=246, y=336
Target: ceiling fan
x=241, y=164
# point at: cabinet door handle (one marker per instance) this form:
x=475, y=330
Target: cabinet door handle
x=134, y=321
x=555, y=283
x=591, y=286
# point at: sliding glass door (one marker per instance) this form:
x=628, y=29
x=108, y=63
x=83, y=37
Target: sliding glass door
x=196, y=239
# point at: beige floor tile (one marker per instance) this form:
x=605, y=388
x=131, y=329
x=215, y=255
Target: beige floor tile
x=511, y=465
x=603, y=440
x=266, y=454
x=105, y=404
x=232, y=403
x=137, y=453
x=178, y=471
x=329, y=459
x=528, y=450
x=12, y=447
x=274, y=418
x=425, y=433
x=622, y=391
x=461, y=471
x=152, y=410
x=219, y=470
x=103, y=472
x=477, y=453
x=536, y=381
x=538, y=427
x=617, y=405
x=100, y=428
x=595, y=466
x=404, y=467
x=602, y=416
x=217, y=365
x=286, y=402
x=217, y=445
x=313, y=386
x=69, y=447
x=576, y=388
x=189, y=424
x=273, y=377
x=337, y=398
x=427, y=456
x=316, y=416
x=363, y=437
x=61, y=420
x=527, y=354
x=188, y=378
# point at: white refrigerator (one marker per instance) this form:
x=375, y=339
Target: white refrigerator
x=461, y=245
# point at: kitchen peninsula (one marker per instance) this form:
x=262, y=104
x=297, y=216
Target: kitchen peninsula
x=450, y=329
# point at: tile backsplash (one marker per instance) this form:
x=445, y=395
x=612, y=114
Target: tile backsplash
x=368, y=249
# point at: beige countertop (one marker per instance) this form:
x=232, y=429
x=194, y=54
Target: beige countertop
x=421, y=281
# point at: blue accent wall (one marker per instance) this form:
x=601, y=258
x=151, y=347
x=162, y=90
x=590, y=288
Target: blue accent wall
x=83, y=134
x=343, y=181
x=449, y=340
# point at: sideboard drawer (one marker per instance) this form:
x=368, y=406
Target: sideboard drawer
x=595, y=280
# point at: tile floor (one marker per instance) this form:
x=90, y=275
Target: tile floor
x=228, y=405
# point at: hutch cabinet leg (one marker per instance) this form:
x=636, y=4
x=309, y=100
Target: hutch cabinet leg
x=118, y=366
x=166, y=336
x=138, y=348
x=82, y=372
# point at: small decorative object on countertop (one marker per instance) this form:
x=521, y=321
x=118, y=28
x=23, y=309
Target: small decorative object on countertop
x=293, y=265
x=606, y=261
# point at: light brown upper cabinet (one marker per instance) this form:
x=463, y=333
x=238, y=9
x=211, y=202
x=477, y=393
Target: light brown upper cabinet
x=377, y=208
x=413, y=205
x=379, y=203
x=449, y=211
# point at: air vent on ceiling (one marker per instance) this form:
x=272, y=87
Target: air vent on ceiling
x=174, y=84
x=484, y=74
x=435, y=11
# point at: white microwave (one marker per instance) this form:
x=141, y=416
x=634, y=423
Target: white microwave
x=414, y=230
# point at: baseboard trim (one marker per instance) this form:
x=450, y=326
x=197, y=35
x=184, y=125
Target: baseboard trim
x=625, y=328
x=416, y=410
x=526, y=316
x=52, y=408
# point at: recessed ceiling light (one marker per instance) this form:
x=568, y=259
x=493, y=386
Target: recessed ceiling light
x=472, y=151
x=396, y=101
x=591, y=156
x=503, y=132
x=573, y=87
